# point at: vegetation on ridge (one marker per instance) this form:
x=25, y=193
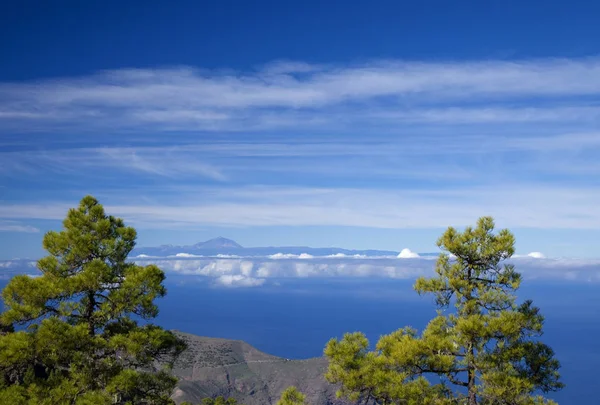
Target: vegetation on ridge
x=220, y=400
x=291, y=396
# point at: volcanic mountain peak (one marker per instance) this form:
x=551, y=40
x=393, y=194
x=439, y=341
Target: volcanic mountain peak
x=218, y=243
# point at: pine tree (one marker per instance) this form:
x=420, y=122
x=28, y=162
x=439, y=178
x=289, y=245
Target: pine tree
x=220, y=400
x=291, y=396
x=484, y=351
x=78, y=338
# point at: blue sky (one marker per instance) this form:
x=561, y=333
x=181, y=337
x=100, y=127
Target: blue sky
x=352, y=124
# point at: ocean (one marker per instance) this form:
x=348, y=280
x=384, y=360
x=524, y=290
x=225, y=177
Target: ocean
x=295, y=318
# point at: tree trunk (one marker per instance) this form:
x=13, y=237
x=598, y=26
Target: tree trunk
x=472, y=396
x=89, y=313
x=471, y=387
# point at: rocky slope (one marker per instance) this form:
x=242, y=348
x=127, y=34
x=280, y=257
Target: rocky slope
x=210, y=367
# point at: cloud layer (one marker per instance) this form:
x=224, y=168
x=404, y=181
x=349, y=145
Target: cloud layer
x=191, y=99
x=249, y=272
x=257, y=271
x=512, y=206
x=407, y=254
x=13, y=226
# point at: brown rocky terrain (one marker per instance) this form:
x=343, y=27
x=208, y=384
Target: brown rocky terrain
x=211, y=367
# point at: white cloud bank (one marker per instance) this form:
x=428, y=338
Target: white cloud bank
x=345, y=256
x=531, y=255
x=256, y=271
x=408, y=254
x=184, y=255
x=237, y=280
x=536, y=255
x=278, y=256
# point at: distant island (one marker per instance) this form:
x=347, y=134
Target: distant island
x=221, y=246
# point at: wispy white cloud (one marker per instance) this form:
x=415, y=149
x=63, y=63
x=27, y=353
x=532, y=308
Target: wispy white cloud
x=518, y=206
x=290, y=147
x=288, y=94
x=162, y=162
x=157, y=162
x=471, y=157
x=491, y=114
x=11, y=226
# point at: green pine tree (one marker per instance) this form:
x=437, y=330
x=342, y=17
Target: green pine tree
x=220, y=400
x=484, y=351
x=77, y=339
x=291, y=396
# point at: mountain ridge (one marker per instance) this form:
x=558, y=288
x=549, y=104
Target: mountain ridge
x=211, y=367
x=218, y=243
x=221, y=245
